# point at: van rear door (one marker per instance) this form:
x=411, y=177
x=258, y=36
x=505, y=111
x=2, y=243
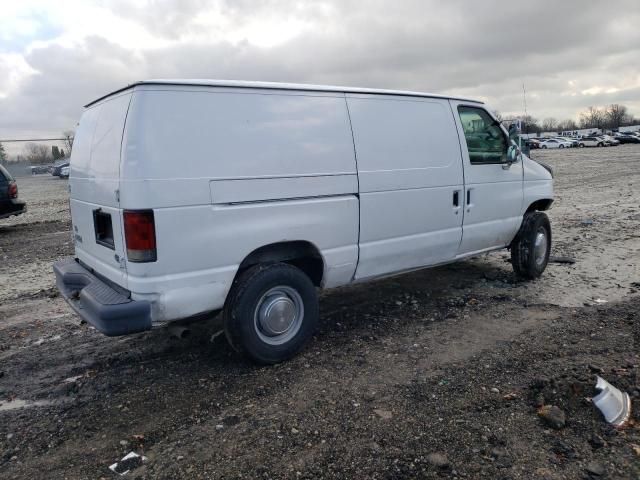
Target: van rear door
x=94, y=186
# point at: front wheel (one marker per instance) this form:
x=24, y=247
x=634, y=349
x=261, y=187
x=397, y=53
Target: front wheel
x=561, y=146
x=271, y=312
x=581, y=145
x=544, y=146
x=532, y=245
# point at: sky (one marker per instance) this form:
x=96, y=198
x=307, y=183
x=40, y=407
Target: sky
x=55, y=56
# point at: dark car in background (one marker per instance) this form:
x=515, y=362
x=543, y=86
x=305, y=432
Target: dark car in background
x=533, y=143
x=9, y=203
x=628, y=139
x=58, y=166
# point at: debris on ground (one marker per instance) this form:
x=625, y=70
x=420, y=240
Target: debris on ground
x=552, y=416
x=568, y=260
x=595, y=469
x=614, y=404
x=129, y=462
x=438, y=460
x=383, y=414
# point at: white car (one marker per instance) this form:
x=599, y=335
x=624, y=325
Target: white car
x=591, y=142
x=555, y=143
x=283, y=189
x=610, y=140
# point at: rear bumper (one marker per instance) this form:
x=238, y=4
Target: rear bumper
x=110, y=311
x=12, y=207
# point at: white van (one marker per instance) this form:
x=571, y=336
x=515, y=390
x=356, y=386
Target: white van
x=194, y=196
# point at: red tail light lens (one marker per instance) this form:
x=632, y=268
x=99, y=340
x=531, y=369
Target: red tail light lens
x=13, y=190
x=140, y=235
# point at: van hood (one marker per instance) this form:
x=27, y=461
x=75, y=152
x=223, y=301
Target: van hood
x=536, y=170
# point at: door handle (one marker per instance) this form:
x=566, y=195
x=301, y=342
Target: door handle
x=468, y=200
x=456, y=198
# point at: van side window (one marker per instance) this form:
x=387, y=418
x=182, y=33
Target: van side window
x=486, y=141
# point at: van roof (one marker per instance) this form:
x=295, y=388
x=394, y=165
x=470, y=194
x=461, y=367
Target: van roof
x=278, y=86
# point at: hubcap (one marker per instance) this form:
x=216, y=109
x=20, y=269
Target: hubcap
x=540, y=247
x=278, y=315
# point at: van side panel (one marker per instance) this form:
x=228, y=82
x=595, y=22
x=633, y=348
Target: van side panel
x=410, y=167
x=228, y=172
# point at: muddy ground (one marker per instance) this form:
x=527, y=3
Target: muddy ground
x=435, y=374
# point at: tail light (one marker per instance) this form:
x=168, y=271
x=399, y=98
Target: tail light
x=13, y=190
x=140, y=235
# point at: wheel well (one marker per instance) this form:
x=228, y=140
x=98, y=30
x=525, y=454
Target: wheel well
x=540, y=205
x=301, y=254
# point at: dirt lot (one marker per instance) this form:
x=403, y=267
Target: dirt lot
x=436, y=374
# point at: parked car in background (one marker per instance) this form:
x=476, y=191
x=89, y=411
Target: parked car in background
x=604, y=141
x=40, y=169
x=628, y=139
x=610, y=140
x=574, y=143
x=555, y=143
x=9, y=203
x=64, y=172
x=533, y=143
x=58, y=166
x=591, y=142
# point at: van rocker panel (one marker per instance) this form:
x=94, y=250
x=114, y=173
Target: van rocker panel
x=110, y=311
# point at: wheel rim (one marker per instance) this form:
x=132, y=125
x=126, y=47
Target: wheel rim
x=278, y=315
x=540, y=247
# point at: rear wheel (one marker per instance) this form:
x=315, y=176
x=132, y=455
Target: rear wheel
x=561, y=146
x=532, y=245
x=544, y=146
x=581, y=145
x=271, y=312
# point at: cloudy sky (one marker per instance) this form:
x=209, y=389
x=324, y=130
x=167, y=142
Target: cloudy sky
x=56, y=56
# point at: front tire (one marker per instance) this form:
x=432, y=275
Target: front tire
x=271, y=312
x=561, y=146
x=532, y=245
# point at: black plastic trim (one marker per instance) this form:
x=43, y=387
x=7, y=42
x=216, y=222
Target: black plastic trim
x=107, y=309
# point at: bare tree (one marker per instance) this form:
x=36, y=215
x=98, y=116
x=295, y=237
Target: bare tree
x=68, y=140
x=593, y=117
x=37, y=153
x=616, y=115
x=530, y=124
x=549, y=124
x=567, y=124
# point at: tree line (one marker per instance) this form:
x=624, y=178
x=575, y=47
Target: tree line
x=611, y=117
x=40, y=153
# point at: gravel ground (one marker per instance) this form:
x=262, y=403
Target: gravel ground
x=434, y=374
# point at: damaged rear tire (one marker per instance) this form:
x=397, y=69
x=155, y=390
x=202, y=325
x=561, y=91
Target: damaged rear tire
x=532, y=245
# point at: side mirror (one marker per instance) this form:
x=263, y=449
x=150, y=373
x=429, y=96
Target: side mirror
x=513, y=154
x=513, y=131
